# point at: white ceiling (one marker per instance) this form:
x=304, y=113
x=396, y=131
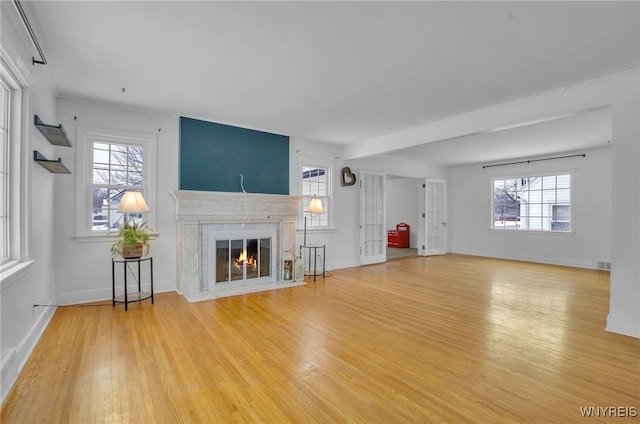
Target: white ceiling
x=342, y=72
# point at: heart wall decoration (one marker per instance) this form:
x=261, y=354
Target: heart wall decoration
x=348, y=177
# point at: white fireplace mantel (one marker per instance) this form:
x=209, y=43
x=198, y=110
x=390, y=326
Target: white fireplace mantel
x=193, y=209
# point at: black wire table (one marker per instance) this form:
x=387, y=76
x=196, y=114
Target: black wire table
x=138, y=296
x=312, y=254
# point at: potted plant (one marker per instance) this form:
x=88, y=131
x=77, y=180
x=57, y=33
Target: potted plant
x=134, y=240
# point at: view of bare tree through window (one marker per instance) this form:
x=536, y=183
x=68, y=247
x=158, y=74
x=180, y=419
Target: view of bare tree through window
x=116, y=168
x=506, y=203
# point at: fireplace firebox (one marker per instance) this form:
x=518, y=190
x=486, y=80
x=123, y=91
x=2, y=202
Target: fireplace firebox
x=236, y=254
x=243, y=260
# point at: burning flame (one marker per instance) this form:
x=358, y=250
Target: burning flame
x=243, y=260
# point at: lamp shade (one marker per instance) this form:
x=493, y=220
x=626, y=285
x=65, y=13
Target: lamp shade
x=315, y=206
x=133, y=202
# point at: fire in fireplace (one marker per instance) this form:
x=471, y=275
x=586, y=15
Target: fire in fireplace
x=242, y=260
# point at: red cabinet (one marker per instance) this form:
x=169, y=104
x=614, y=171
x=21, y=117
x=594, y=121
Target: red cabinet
x=398, y=237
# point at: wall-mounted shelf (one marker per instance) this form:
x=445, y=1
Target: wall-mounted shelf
x=53, y=166
x=55, y=134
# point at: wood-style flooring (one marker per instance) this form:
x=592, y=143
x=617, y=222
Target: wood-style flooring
x=448, y=338
x=394, y=253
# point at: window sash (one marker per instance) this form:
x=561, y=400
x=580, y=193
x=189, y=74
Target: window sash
x=16, y=190
x=315, y=181
x=116, y=168
x=5, y=227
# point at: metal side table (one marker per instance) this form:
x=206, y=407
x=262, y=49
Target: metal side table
x=138, y=296
x=311, y=258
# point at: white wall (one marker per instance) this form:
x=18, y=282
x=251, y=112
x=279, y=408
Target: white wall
x=21, y=324
x=83, y=267
x=470, y=215
x=624, y=311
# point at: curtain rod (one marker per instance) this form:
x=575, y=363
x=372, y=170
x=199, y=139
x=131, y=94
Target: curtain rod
x=535, y=160
x=34, y=40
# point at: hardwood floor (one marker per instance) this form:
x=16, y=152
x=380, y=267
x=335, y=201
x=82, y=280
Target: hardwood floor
x=439, y=339
x=394, y=253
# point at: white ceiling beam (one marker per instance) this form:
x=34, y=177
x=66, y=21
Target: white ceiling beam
x=553, y=104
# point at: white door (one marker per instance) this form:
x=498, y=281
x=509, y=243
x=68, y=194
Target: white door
x=436, y=218
x=373, y=240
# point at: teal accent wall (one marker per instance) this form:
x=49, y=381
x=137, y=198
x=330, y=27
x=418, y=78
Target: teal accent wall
x=213, y=156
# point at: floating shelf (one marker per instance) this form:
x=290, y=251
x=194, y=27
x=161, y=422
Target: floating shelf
x=53, y=166
x=55, y=134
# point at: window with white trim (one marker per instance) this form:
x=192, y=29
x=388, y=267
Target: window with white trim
x=5, y=102
x=14, y=160
x=533, y=203
x=316, y=182
x=113, y=162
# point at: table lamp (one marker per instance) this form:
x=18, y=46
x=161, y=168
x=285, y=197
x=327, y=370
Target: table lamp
x=314, y=208
x=132, y=202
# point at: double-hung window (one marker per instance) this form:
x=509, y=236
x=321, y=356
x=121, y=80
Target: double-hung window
x=113, y=162
x=116, y=169
x=532, y=203
x=15, y=194
x=316, y=182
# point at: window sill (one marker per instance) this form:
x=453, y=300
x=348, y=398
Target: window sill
x=106, y=237
x=317, y=230
x=89, y=238
x=13, y=271
x=536, y=232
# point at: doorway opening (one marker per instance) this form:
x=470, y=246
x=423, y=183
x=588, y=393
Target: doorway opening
x=405, y=205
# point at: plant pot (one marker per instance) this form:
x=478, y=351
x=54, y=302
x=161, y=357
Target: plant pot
x=132, y=251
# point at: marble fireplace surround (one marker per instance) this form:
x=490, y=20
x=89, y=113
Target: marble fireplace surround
x=195, y=211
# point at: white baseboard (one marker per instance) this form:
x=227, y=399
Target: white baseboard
x=623, y=326
x=96, y=295
x=341, y=264
x=550, y=261
x=16, y=357
x=8, y=372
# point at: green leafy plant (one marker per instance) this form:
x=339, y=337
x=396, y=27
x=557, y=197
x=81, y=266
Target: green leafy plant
x=132, y=235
